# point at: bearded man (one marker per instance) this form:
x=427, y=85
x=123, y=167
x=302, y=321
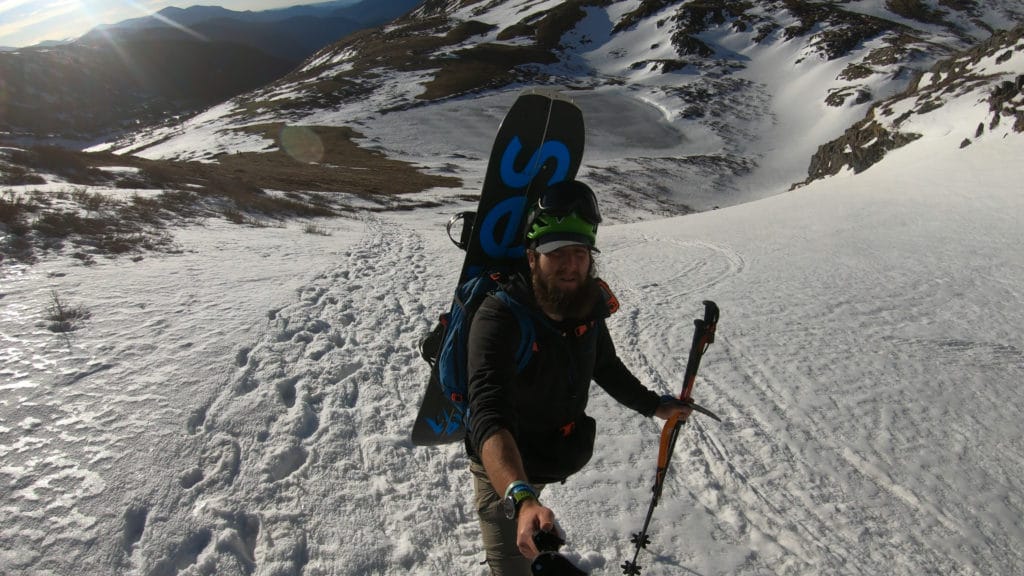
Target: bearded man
x=528, y=428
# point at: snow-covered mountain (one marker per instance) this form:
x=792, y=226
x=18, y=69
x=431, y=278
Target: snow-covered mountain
x=729, y=79
x=983, y=84
x=242, y=404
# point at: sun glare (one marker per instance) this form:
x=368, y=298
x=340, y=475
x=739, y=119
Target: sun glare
x=33, y=18
x=100, y=11
x=97, y=11
x=141, y=10
x=90, y=11
x=29, y=21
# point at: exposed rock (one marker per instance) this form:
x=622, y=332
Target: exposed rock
x=867, y=142
x=859, y=148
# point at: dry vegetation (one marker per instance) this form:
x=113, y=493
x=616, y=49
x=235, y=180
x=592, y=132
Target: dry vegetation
x=314, y=173
x=64, y=317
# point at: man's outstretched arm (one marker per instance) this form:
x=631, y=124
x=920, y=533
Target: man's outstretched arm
x=504, y=466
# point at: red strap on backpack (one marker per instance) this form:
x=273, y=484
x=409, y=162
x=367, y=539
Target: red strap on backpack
x=609, y=297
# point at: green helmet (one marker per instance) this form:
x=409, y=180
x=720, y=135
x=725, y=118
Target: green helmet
x=566, y=214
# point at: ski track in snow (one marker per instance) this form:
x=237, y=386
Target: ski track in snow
x=783, y=474
x=309, y=419
x=296, y=458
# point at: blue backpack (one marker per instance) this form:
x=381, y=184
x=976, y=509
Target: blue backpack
x=446, y=347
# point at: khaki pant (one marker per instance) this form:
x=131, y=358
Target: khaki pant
x=499, y=533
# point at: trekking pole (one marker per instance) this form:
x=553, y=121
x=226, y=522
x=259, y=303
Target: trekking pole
x=703, y=336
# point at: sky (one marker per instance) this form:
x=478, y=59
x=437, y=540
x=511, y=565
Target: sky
x=28, y=22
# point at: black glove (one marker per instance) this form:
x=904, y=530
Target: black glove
x=550, y=562
x=689, y=403
x=554, y=564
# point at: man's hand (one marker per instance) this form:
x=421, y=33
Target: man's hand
x=533, y=517
x=671, y=406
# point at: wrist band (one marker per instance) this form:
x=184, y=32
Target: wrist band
x=511, y=487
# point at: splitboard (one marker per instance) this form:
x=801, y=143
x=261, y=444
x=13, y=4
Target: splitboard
x=540, y=142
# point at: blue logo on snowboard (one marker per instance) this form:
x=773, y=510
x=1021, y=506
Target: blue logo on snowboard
x=512, y=209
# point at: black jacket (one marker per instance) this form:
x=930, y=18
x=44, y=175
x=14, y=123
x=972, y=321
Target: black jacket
x=544, y=405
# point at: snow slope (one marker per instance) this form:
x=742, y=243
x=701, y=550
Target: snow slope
x=243, y=407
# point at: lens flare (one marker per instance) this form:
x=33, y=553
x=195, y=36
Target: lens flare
x=302, y=144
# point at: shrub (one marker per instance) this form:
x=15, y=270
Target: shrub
x=69, y=164
x=316, y=229
x=64, y=317
x=89, y=201
x=13, y=210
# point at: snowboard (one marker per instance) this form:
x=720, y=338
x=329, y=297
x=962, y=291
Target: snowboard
x=539, y=142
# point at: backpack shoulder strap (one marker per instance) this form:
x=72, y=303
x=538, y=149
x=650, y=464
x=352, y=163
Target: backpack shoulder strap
x=611, y=303
x=527, y=329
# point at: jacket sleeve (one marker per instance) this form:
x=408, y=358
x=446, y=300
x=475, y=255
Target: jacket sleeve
x=612, y=375
x=493, y=338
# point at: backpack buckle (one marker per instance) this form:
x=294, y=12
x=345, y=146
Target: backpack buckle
x=583, y=329
x=568, y=429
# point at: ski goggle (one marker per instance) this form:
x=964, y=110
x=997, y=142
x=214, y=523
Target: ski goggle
x=566, y=198
x=568, y=227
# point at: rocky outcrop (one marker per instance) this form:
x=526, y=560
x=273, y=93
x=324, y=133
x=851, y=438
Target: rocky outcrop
x=863, y=145
x=992, y=71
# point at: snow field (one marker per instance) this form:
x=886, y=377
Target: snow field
x=243, y=407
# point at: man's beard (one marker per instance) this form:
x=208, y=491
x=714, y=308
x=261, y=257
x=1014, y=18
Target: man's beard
x=576, y=303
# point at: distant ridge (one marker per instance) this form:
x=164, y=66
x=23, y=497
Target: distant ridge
x=146, y=70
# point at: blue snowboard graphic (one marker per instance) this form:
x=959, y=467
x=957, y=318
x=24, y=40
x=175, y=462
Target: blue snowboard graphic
x=540, y=142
